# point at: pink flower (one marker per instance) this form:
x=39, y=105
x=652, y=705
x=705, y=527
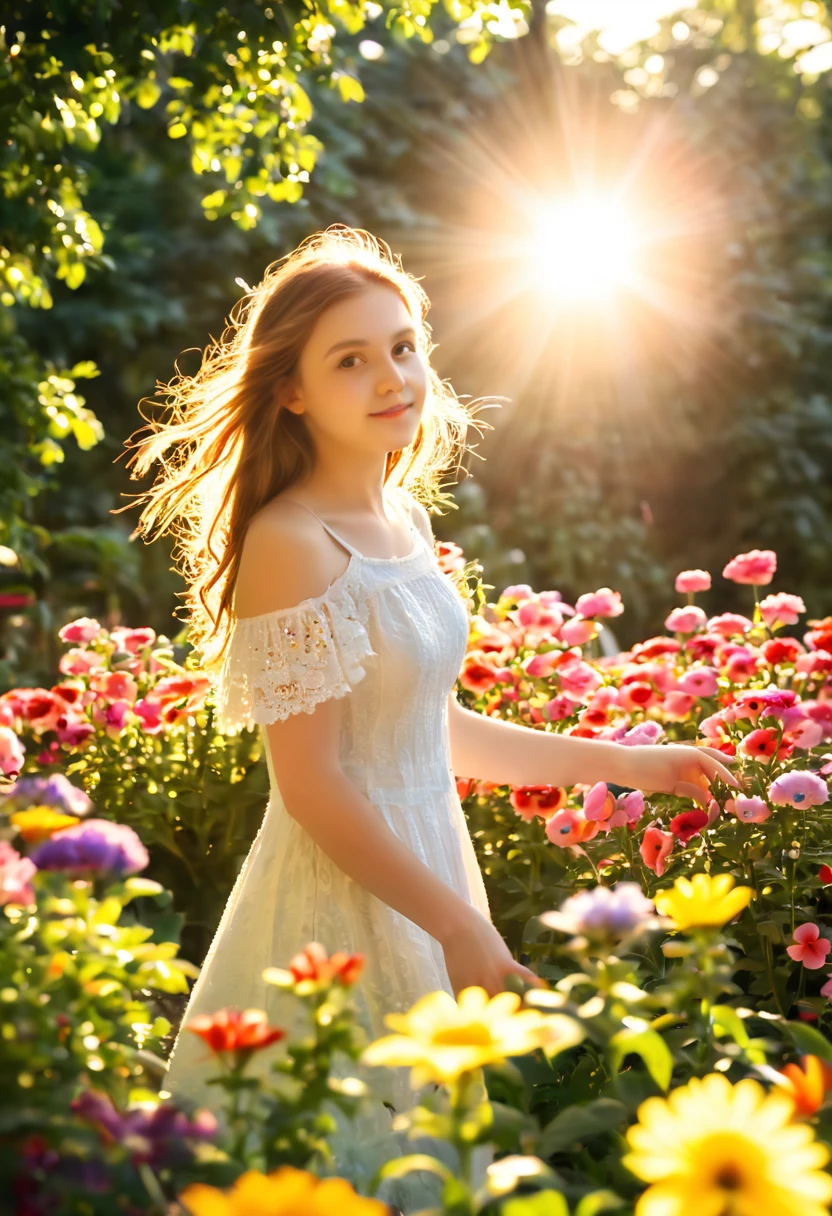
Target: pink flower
x=807, y=734
x=685, y=620
x=568, y=828
x=643, y=732
x=798, y=790
x=811, y=949
x=656, y=847
x=741, y=666
x=579, y=679
x=11, y=752
x=132, y=640
x=729, y=624
x=600, y=603
x=560, y=707
x=15, y=875
x=150, y=714
x=826, y=990
x=755, y=569
x=84, y=630
x=599, y=802
x=517, y=592
x=80, y=662
x=699, y=682
x=115, y=686
x=749, y=810
x=677, y=706
x=629, y=808
x=577, y=631
x=693, y=580
x=781, y=609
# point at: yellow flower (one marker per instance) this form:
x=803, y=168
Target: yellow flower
x=442, y=1038
x=716, y=1149
x=702, y=901
x=40, y=822
x=285, y=1192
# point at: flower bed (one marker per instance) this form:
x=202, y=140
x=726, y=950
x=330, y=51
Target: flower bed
x=677, y=1060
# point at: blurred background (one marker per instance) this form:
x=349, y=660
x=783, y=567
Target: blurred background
x=620, y=210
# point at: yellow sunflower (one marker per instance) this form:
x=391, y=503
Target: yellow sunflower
x=716, y=1149
x=442, y=1038
x=703, y=901
x=38, y=823
x=285, y=1192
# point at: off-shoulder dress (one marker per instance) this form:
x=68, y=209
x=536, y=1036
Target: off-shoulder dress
x=387, y=638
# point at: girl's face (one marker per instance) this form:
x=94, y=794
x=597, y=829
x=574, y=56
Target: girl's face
x=362, y=358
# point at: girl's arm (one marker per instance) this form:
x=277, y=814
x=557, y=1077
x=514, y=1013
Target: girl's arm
x=505, y=753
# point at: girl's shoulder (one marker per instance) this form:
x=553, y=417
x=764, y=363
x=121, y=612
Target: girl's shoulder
x=287, y=560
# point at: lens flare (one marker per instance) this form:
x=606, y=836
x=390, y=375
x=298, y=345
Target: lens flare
x=585, y=248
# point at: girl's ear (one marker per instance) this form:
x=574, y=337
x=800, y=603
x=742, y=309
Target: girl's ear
x=287, y=396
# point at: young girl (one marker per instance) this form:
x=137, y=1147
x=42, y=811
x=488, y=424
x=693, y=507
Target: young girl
x=295, y=469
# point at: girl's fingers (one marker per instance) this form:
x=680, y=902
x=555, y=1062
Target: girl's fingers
x=719, y=770
x=716, y=754
x=686, y=789
x=527, y=975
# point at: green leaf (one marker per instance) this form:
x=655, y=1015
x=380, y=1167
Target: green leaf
x=650, y=1046
x=544, y=1203
x=397, y=1167
x=580, y=1123
x=808, y=1040
x=349, y=88
x=598, y=1201
x=147, y=94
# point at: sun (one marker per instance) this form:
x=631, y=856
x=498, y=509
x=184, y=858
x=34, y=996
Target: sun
x=584, y=248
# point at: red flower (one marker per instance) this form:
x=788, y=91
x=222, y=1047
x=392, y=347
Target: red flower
x=825, y=875
x=313, y=963
x=543, y=800
x=808, y=1083
x=656, y=846
x=231, y=1030
x=464, y=785
x=761, y=744
x=688, y=824
x=781, y=650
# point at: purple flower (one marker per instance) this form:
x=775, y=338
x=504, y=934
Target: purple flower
x=54, y=791
x=97, y=845
x=603, y=912
x=159, y=1136
x=798, y=790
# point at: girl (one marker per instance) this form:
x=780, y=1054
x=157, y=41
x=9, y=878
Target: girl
x=295, y=469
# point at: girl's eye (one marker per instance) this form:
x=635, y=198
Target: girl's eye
x=398, y=345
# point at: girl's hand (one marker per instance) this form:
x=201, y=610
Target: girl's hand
x=677, y=768
x=475, y=954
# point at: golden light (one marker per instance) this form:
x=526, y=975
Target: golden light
x=584, y=248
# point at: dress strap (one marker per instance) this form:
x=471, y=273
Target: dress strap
x=335, y=536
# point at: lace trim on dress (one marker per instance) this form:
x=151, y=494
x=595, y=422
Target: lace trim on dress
x=288, y=661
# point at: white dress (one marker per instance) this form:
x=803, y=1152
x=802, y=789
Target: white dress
x=387, y=638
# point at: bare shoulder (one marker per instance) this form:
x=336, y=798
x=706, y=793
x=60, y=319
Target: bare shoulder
x=287, y=558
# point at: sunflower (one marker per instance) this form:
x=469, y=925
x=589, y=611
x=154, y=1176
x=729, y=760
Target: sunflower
x=703, y=901
x=285, y=1192
x=716, y=1149
x=442, y=1038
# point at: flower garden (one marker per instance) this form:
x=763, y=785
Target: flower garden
x=676, y=1061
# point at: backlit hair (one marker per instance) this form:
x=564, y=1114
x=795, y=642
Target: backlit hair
x=225, y=445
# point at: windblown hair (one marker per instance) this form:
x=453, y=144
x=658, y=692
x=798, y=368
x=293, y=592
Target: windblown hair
x=225, y=445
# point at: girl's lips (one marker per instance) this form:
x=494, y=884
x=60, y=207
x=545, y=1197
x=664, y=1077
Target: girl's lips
x=392, y=413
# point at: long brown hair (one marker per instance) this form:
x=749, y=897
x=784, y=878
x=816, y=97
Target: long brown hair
x=226, y=446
